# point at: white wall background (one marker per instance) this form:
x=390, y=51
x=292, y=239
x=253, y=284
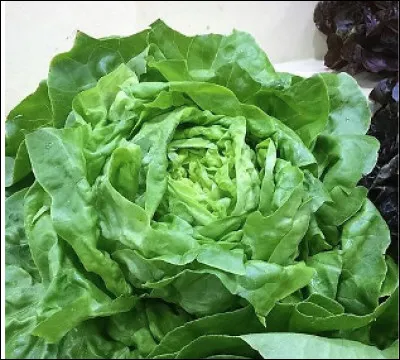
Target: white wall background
x=37, y=30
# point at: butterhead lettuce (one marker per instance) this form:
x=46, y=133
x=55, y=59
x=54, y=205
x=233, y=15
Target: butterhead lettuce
x=176, y=197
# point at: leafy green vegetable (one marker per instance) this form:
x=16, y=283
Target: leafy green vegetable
x=175, y=197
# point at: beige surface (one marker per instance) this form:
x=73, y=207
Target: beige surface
x=37, y=30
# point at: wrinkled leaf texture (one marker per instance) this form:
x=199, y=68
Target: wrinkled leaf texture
x=175, y=197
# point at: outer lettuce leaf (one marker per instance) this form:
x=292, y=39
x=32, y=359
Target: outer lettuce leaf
x=391, y=281
x=344, y=159
x=365, y=239
x=22, y=297
x=146, y=325
x=16, y=244
x=230, y=323
x=348, y=107
x=318, y=314
x=234, y=61
x=300, y=346
x=32, y=113
x=303, y=107
x=70, y=191
x=81, y=67
x=328, y=266
x=260, y=279
x=278, y=346
x=25, y=292
x=385, y=330
x=88, y=341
